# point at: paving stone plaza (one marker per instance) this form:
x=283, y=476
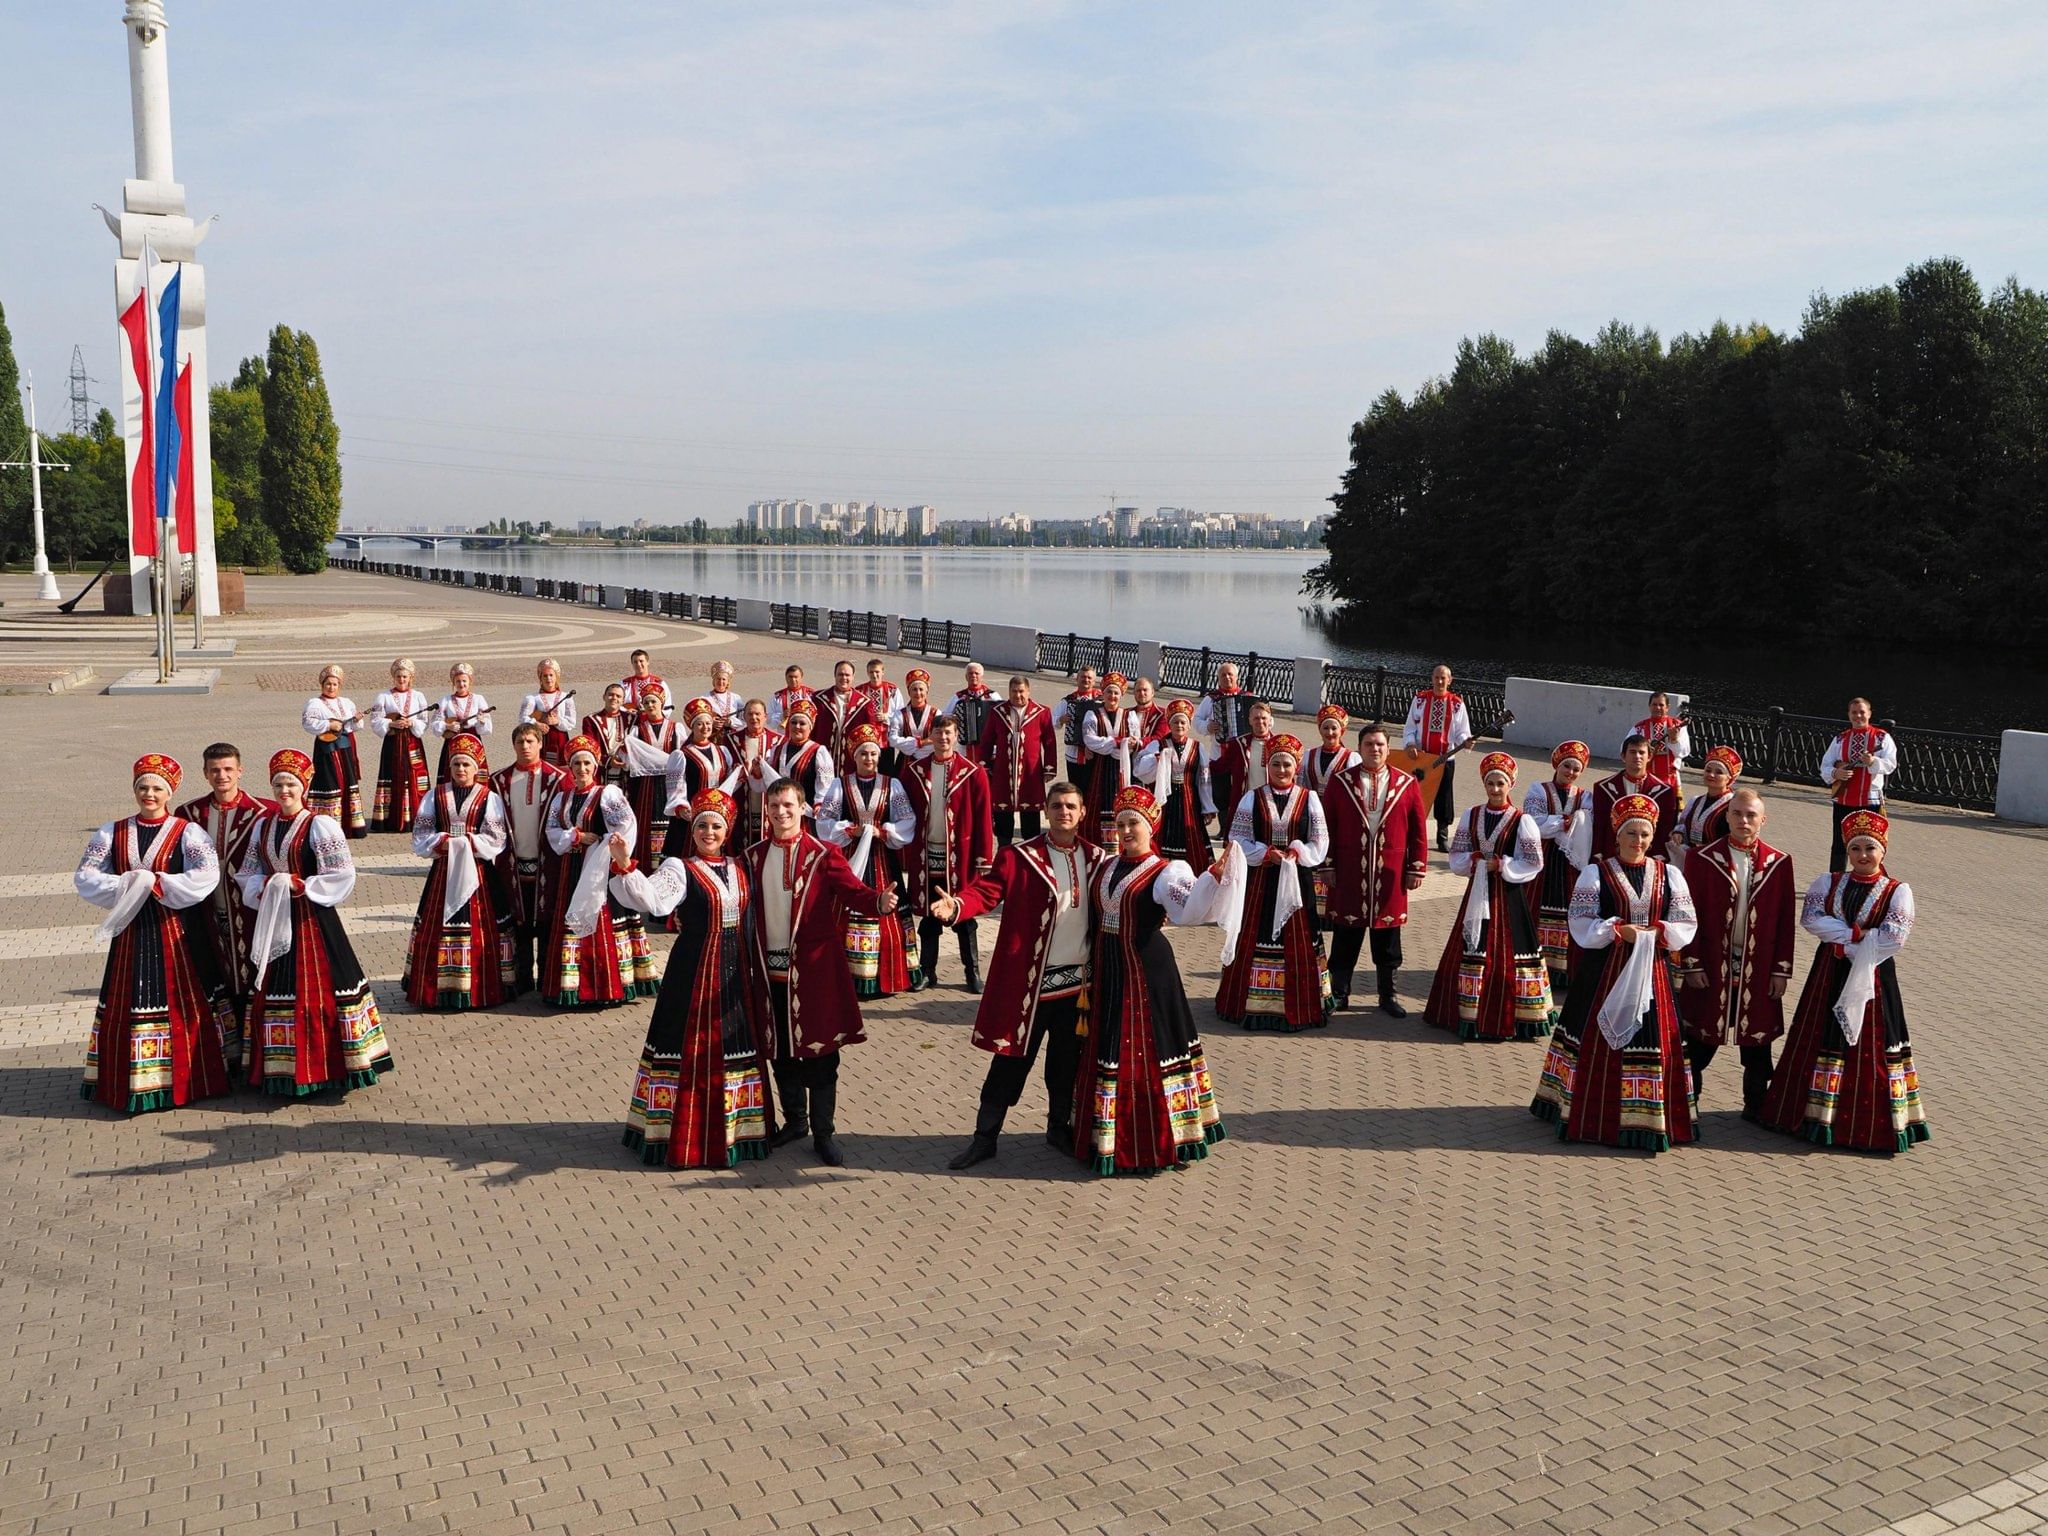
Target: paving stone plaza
x=1391, y=1301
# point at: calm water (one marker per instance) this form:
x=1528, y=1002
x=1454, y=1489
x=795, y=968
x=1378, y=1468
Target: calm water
x=1251, y=600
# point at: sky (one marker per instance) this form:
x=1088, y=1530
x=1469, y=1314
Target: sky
x=658, y=260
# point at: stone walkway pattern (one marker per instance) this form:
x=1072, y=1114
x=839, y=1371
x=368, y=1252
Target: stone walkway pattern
x=1392, y=1301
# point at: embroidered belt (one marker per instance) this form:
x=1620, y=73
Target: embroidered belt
x=1063, y=980
x=778, y=965
x=526, y=869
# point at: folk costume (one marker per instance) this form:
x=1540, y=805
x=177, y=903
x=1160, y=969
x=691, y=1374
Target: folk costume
x=1706, y=818
x=609, y=729
x=458, y=714
x=337, y=789
x=1143, y=1098
x=956, y=840
x=726, y=707
x=1068, y=711
x=402, y=778
x=1564, y=818
x=1491, y=983
x=1872, y=756
x=837, y=714
x=1739, y=963
x=1178, y=776
x=1847, y=1077
x=1670, y=745
x=1278, y=978
x=907, y=728
x=1615, y=1072
x=700, y=1094
x=1020, y=751
x=973, y=707
x=693, y=767
x=1379, y=852
x=164, y=1032
x=783, y=700
x=750, y=749
x=461, y=954
x=806, y=1011
x=522, y=869
x=596, y=953
x=648, y=750
x=1038, y=981
x=313, y=1021
x=1438, y=723
x=554, y=711
x=1110, y=734
x=1223, y=715
x=640, y=689
x=1239, y=768
x=221, y=920
x=806, y=764
x=1611, y=791
x=868, y=818
x=1322, y=764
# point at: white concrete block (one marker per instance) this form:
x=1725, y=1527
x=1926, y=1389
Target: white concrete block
x=1151, y=657
x=1006, y=647
x=752, y=613
x=2023, y=777
x=1547, y=713
x=1308, y=684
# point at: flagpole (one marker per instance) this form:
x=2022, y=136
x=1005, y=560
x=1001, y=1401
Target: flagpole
x=46, y=583
x=165, y=664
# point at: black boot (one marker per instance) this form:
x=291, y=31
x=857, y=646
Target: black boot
x=1340, y=993
x=928, y=930
x=988, y=1125
x=789, y=1088
x=970, y=955
x=824, y=1101
x=1443, y=839
x=1390, y=1005
x=1059, y=1135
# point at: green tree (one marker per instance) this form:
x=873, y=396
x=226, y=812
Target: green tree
x=15, y=533
x=85, y=508
x=241, y=535
x=299, y=464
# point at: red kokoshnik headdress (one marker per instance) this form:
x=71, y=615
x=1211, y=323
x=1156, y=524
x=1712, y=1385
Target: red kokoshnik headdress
x=157, y=765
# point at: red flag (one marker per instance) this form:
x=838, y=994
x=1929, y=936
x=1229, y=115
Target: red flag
x=181, y=403
x=142, y=490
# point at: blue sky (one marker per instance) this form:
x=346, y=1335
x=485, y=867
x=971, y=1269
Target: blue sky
x=659, y=259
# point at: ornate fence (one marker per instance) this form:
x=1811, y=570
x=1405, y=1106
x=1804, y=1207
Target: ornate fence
x=1935, y=767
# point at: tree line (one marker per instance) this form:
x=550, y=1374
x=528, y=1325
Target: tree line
x=1887, y=465
x=276, y=468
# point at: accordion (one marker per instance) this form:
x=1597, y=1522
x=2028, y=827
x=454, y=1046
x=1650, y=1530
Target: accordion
x=972, y=714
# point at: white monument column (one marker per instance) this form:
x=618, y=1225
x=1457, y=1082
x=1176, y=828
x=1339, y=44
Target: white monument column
x=153, y=210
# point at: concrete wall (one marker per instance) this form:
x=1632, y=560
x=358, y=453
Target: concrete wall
x=2023, y=777
x=1006, y=647
x=1547, y=713
x=1308, y=685
x=752, y=613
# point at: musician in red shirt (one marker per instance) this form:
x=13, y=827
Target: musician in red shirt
x=1855, y=766
x=1438, y=723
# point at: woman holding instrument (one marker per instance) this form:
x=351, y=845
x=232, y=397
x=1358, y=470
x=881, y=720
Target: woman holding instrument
x=399, y=718
x=331, y=720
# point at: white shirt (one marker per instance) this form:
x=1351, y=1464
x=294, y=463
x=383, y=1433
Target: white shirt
x=1742, y=859
x=775, y=893
x=1069, y=944
x=526, y=801
x=935, y=815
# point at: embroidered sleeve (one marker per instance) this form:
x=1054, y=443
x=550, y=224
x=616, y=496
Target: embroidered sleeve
x=1815, y=918
x=1242, y=824
x=249, y=878
x=495, y=831
x=1314, y=847
x=334, y=872
x=1897, y=927
x=426, y=830
x=1589, y=929
x=1681, y=921
x=1463, y=850
x=657, y=894
x=901, y=829
x=200, y=876
x=92, y=879
x=619, y=820
x=1524, y=861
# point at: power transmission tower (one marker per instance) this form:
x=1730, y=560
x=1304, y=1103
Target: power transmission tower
x=81, y=402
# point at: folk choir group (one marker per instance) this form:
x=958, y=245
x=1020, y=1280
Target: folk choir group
x=811, y=849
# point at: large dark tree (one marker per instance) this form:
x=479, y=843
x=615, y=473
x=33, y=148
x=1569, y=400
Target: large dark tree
x=300, y=463
x=1891, y=457
x=14, y=487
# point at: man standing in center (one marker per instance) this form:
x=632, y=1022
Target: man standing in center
x=948, y=795
x=1379, y=852
x=803, y=889
x=1438, y=723
x=1739, y=962
x=228, y=816
x=1020, y=750
x=1039, y=973
x=527, y=788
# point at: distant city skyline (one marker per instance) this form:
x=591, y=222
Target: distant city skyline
x=1059, y=251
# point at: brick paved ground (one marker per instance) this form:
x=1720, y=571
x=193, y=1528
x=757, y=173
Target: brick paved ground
x=1392, y=1301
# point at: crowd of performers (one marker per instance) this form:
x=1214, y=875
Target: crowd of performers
x=811, y=849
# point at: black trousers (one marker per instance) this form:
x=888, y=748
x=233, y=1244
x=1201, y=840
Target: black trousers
x=1838, y=852
x=1446, y=808
x=792, y=1070
x=1006, y=825
x=1053, y=1026
x=1756, y=1069
x=522, y=916
x=1345, y=943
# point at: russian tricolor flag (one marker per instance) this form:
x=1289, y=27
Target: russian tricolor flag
x=163, y=464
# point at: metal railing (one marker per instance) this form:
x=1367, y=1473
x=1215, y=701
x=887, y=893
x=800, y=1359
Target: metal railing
x=1067, y=654
x=1194, y=670
x=937, y=637
x=1956, y=768
x=858, y=627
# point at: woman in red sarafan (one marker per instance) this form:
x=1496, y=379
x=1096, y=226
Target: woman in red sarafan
x=164, y=1032
x=460, y=955
x=313, y=1022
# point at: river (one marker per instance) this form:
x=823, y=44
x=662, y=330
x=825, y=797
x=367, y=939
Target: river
x=1251, y=600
